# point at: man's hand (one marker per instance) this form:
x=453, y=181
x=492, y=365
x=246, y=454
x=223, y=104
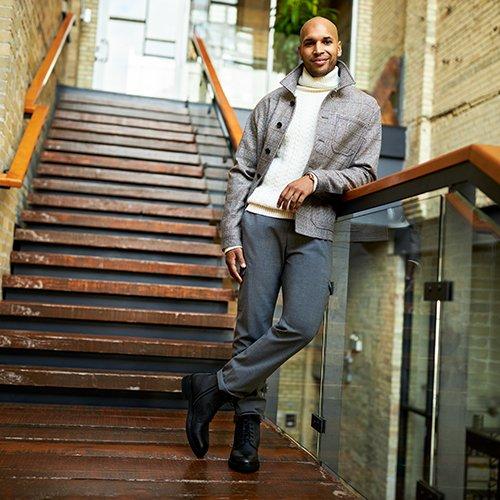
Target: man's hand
x=294, y=194
x=234, y=257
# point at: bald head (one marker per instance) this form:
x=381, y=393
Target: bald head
x=316, y=22
x=319, y=46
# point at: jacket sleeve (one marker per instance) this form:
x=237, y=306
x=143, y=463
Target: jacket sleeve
x=364, y=165
x=240, y=177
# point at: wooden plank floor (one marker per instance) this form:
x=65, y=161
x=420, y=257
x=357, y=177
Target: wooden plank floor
x=71, y=452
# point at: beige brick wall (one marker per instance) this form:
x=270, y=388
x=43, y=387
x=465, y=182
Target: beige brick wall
x=27, y=28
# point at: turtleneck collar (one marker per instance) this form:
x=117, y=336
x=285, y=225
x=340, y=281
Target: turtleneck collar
x=330, y=81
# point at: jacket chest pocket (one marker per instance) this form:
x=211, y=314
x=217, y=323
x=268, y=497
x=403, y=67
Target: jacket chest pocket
x=344, y=142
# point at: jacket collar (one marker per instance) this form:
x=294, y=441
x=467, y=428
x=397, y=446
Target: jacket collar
x=290, y=81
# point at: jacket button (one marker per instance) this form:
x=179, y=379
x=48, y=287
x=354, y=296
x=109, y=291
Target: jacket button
x=279, y=124
x=292, y=103
x=267, y=151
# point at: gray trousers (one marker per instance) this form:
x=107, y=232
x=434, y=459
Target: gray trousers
x=276, y=256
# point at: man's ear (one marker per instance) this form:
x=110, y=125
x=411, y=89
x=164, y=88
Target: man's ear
x=339, y=50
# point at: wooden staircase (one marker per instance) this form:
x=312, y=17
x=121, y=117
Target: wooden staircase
x=118, y=286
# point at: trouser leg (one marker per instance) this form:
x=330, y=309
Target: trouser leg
x=263, y=240
x=305, y=285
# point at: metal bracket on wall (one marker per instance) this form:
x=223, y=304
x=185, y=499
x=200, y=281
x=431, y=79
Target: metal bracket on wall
x=427, y=492
x=438, y=290
x=318, y=423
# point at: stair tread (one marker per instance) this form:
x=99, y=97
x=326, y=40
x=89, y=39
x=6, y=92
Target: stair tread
x=166, y=116
x=134, y=102
x=147, y=123
x=123, y=151
x=107, y=128
x=118, y=288
x=124, y=243
x=107, y=174
x=48, y=376
x=100, y=137
x=110, y=98
x=101, y=203
x=122, y=190
x=118, y=222
x=114, y=314
x=110, y=344
x=126, y=164
x=118, y=264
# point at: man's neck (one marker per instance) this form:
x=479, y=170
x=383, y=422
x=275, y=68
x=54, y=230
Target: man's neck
x=329, y=81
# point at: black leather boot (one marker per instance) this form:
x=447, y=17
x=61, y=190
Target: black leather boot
x=204, y=399
x=244, y=454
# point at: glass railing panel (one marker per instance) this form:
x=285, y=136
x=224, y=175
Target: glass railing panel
x=375, y=391
x=299, y=388
x=468, y=425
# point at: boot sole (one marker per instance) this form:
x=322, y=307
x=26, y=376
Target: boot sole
x=187, y=393
x=243, y=467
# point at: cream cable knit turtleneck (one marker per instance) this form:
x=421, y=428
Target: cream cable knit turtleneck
x=295, y=149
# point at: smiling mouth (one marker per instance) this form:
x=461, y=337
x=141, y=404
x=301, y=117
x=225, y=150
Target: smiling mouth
x=320, y=61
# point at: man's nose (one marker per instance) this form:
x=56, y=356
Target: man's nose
x=318, y=48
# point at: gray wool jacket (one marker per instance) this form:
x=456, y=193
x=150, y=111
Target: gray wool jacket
x=344, y=156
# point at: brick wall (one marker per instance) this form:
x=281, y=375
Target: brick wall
x=27, y=28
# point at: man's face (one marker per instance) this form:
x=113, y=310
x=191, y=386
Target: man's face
x=319, y=48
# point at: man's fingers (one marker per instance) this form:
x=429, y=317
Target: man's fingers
x=232, y=258
x=240, y=257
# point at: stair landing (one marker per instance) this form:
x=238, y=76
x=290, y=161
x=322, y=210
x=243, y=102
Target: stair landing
x=80, y=451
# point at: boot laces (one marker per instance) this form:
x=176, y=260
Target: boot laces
x=248, y=433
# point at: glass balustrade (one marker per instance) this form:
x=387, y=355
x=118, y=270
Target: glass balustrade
x=409, y=389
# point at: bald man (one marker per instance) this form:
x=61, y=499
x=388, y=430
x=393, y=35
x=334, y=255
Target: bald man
x=304, y=144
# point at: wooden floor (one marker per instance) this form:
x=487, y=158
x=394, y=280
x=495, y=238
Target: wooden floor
x=67, y=451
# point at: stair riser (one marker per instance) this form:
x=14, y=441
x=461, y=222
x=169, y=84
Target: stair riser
x=98, y=300
x=93, y=397
x=108, y=362
x=115, y=328
x=159, y=279
x=117, y=232
x=26, y=246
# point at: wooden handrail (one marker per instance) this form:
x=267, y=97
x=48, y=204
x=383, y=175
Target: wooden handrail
x=228, y=113
x=483, y=156
x=19, y=166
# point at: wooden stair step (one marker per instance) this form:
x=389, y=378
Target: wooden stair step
x=114, y=205
x=124, y=111
x=121, y=163
x=106, y=128
x=212, y=131
x=121, y=176
x=112, y=314
x=126, y=122
x=82, y=378
x=111, y=189
x=109, y=344
x=214, y=475
x=107, y=287
x=117, y=264
x=173, y=451
x=123, y=151
x=118, y=242
x=113, y=222
x=126, y=102
x=122, y=140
